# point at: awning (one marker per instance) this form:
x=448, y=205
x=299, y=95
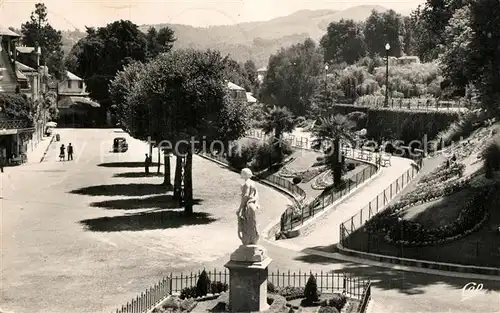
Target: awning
x=68, y=102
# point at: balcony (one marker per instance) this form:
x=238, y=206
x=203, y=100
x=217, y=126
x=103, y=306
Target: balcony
x=14, y=124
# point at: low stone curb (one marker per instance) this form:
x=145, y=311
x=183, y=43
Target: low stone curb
x=448, y=267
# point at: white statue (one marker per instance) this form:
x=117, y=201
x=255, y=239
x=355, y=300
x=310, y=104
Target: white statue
x=247, y=222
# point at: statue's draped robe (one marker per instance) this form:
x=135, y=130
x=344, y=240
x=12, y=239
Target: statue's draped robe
x=247, y=223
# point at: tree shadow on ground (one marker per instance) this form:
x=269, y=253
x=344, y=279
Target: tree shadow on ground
x=409, y=283
x=122, y=190
x=127, y=164
x=138, y=174
x=155, y=202
x=147, y=221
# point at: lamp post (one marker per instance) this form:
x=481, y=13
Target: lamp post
x=387, y=48
x=326, y=87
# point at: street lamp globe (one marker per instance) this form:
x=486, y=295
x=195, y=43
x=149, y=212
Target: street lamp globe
x=387, y=46
x=326, y=67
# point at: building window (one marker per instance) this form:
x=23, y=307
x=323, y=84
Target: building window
x=80, y=84
x=69, y=84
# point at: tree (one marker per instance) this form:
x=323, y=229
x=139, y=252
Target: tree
x=343, y=42
x=278, y=120
x=409, y=42
x=161, y=41
x=327, y=91
x=329, y=133
x=484, y=52
x=251, y=74
x=186, y=92
x=291, y=77
x=454, y=61
x=236, y=73
x=37, y=32
x=382, y=28
x=105, y=51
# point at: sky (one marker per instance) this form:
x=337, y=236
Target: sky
x=71, y=14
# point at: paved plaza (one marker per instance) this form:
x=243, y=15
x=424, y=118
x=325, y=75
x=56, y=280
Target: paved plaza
x=81, y=236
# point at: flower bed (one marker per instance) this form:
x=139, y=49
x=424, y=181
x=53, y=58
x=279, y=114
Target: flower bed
x=443, y=173
x=306, y=176
x=409, y=233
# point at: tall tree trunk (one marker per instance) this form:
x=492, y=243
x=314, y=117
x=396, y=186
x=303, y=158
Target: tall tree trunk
x=151, y=150
x=159, y=163
x=337, y=164
x=188, y=184
x=166, y=176
x=178, y=178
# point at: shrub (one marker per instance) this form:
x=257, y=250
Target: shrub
x=351, y=166
x=491, y=157
x=290, y=293
x=311, y=292
x=328, y=309
x=296, y=180
x=338, y=301
x=271, y=153
x=299, y=121
x=188, y=292
x=203, y=284
x=270, y=287
x=16, y=106
x=218, y=287
x=320, y=158
x=240, y=156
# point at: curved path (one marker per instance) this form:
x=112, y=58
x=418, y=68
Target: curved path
x=51, y=263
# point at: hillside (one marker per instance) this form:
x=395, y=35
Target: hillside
x=258, y=40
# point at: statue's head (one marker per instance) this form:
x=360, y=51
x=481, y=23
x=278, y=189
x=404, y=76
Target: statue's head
x=246, y=173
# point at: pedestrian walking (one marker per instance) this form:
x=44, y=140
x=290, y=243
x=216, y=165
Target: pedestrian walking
x=62, y=153
x=70, y=152
x=146, y=164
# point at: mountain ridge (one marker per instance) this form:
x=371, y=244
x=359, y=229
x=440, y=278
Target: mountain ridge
x=257, y=40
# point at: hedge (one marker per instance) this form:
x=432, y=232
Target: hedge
x=401, y=124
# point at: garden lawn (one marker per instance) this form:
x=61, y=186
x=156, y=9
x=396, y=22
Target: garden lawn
x=437, y=213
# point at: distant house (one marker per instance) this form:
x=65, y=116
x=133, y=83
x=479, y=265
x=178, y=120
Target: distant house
x=75, y=107
x=408, y=60
x=250, y=98
x=261, y=73
x=238, y=93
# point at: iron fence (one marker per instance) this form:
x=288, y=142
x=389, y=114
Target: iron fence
x=297, y=215
x=365, y=298
x=378, y=204
x=412, y=103
x=148, y=299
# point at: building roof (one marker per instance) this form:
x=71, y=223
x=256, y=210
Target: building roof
x=250, y=98
x=24, y=68
x=8, y=33
x=72, y=76
x=25, y=49
x=20, y=75
x=68, y=102
x=232, y=86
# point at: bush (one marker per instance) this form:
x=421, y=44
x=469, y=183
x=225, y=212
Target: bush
x=240, y=156
x=290, y=293
x=350, y=166
x=311, y=292
x=271, y=153
x=218, y=287
x=16, y=106
x=299, y=121
x=270, y=287
x=338, y=301
x=188, y=292
x=491, y=156
x=296, y=180
x=328, y=309
x=203, y=284
x=320, y=158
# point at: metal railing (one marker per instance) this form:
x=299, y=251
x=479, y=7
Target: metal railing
x=378, y=204
x=352, y=287
x=296, y=215
x=412, y=103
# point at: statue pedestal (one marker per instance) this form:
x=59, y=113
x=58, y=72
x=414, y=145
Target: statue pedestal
x=248, y=271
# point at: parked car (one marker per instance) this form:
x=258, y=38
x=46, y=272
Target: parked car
x=120, y=144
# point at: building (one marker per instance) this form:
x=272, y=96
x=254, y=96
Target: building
x=17, y=135
x=238, y=93
x=76, y=109
x=250, y=98
x=261, y=73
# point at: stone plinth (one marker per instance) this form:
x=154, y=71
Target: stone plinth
x=248, y=271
